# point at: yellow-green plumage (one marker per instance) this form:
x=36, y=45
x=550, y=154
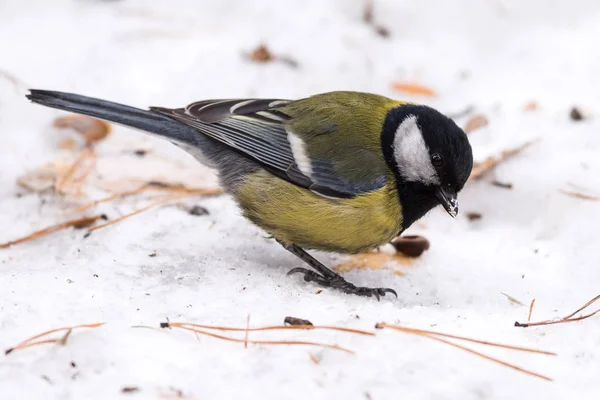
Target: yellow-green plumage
x=345, y=128
x=296, y=215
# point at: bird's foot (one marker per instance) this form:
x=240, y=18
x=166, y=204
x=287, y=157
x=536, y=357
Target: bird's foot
x=336, y=281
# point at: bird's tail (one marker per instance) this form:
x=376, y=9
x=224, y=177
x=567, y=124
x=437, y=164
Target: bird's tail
x=118, y=113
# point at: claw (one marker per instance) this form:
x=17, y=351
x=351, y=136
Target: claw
x=298, y=270
x=387, y=290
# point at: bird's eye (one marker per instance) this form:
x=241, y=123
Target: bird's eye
x=437, y=160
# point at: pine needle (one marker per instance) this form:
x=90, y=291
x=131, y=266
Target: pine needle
x=530, y=310
x=62, y=340
x=246, y=332
x=271, y=328
x=78, y=223
x=158, y=186
x=446, y=335
x=569, y=318
x=437, y=336
x=161, y=201
x=62, y=180
x=579, y=195
x=265, y=342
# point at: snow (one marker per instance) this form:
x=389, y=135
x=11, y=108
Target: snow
x=532, y=242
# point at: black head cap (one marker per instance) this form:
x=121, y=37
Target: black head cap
x=430, y=156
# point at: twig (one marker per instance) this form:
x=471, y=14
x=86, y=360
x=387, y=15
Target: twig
x=288, y=342
x=31, y=341
x=437, y=336
x=568, y=318
x=481, y=169
x=78, y=223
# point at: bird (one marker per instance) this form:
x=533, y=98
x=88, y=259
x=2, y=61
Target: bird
x=341, y=171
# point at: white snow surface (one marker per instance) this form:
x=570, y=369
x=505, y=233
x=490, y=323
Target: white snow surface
x=532, y=242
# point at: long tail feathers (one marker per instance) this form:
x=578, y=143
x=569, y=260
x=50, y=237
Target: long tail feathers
x=118, y=113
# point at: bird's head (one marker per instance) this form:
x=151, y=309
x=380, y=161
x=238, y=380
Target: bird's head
x=430, y=156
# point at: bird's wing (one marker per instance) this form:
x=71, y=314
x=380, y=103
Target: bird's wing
x=303, y=146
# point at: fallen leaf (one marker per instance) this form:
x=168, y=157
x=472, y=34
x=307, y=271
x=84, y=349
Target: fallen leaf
x=477, y=121
x=261, y=54
x=92, y=129
x=413, y=88
x=374, y=261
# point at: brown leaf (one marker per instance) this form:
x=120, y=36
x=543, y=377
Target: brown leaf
x=531, y=106
x=413, y=88
x=477, y=121
x=92, y=129
x=261, y=54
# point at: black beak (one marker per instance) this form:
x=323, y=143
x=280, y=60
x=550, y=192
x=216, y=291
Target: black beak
x=448, y=198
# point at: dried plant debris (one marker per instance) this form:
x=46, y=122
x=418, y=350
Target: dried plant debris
x=368, y=18
x=577, y=114
x=263, y=55
x=477, y=121
x=579, y=195
x=413, y=89
x=40, y=338
x=14, y=80
x=569, y=318
x=474, y=216
x=296, y=321
x=205, y=330
x=530, y=310
x=443, y=338
x=43, y=178
x=512, y=299
x=91, y=129
x=198, y=211
x=531, y=106
x=374, y=261
x=479, y=170
x=77, y=172
x=503, y=185
x=78, y=223
x=130, y=389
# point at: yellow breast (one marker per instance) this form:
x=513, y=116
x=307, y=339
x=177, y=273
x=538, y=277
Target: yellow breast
x=298, y=216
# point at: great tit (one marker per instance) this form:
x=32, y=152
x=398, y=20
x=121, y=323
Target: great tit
x=341, y=171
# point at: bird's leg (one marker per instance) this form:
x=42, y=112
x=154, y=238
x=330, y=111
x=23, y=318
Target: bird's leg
x=326, y=277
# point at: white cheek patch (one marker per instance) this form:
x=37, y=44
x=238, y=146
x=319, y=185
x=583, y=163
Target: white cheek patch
x=412, y=155
x=300, y=154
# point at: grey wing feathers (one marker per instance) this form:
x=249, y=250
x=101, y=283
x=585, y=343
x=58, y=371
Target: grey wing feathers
x=251, y=126
x=256, y=128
